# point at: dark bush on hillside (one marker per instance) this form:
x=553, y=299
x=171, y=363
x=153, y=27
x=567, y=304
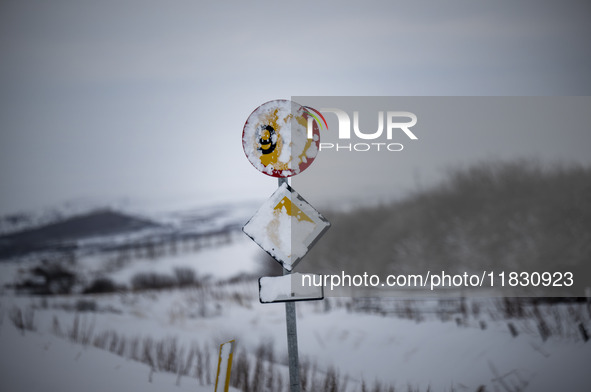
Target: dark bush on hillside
x=101, y=286
x=48, y=278
x=152, y=281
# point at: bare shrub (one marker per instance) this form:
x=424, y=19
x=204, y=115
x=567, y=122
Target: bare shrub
x=331, y=381
x=120, y=349
x=167, y=354
x=279, y=384
x=114, y=341
x=377, y=387
x=101, y=340
x=85, y=305
x=185, y=363
x=86, y=332
x=199, y=369
x=74, y=331
x=257, y=377
x=513, y=307
x=543, y=329
x=241, y=372
x=23, y=321
x=148, y=356
x=584, y=333
x=81, y=331
x=207, y=367
x=134, y=349
x=304, y=373
x=185, y=276
x=512, y=329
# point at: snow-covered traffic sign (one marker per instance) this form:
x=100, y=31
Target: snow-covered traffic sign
x=281, y=139
x=286, y=226
x=286, y=288
x=275, y=138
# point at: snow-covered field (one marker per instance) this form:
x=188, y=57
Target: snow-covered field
x=44, y=362
x=471, y=352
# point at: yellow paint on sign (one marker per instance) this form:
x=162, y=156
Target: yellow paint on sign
x=272, y=159
x=292, y=210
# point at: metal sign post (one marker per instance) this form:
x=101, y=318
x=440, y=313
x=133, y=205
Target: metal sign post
x=292, y=335
x=276, y=142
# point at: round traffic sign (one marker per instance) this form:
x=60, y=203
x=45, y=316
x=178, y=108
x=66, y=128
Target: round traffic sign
x=276, y=139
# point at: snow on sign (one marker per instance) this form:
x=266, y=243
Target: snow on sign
x=275, y=138
x=286, y=226
x=287, y=288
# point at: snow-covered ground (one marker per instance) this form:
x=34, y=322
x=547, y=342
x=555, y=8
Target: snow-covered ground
x=220, y=261
x=478, y=351
x=43, y=362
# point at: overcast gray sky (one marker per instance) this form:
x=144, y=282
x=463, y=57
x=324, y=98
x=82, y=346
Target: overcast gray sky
x=147, y=99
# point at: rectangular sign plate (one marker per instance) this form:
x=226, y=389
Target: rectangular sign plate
x=288, y=288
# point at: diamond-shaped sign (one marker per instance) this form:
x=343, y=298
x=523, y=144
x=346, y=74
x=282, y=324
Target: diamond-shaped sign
x=286, y=226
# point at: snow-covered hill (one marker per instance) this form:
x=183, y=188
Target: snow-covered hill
x=108, y=229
